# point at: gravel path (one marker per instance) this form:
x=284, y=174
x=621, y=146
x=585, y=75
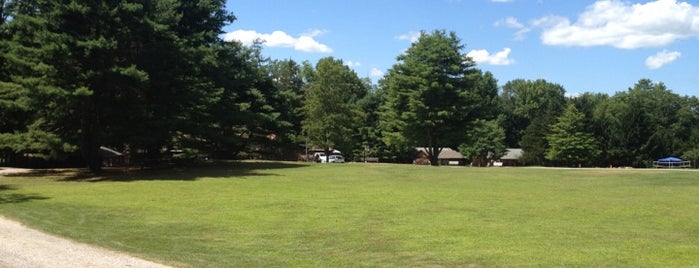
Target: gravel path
x=13, y=171
x=22, y=247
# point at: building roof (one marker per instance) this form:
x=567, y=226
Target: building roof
x=512, y=154
x=446, y=153
x=108, y=152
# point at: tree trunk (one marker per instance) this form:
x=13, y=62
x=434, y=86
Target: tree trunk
x=2, y=12
x=90, y=145
x=93, y=159
x=433, y=155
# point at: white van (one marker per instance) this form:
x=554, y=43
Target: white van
x=318, y=157
x=334, y=158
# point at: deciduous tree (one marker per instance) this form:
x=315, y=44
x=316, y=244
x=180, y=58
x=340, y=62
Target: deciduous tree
x=332, y=114
x=485, y=141
x=530, y=107
x=648, y=122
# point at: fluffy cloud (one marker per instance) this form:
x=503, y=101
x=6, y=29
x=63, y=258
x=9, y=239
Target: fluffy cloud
x=375, y=72
x=661, y=58
x=482, y=56
x=305, y=42
x=623, y=25
x=411, y=36
x=351, y=64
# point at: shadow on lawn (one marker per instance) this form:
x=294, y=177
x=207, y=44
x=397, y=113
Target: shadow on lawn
x=13, y=198
x=223, y=169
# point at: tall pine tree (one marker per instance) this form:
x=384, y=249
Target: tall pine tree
x=116, y=72
x=431, y=95
x=569, y=144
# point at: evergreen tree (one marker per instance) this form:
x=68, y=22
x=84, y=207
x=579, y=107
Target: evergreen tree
x=592, y=106
x=534, y=143
x=569, y=144
x=370, y=133
x=288, y=101
x=431, y=95
x=120, y=73
x=183, y=62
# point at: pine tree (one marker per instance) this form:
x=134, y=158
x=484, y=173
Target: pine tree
x=431, y=95
x=117, y=73
x=569, y=144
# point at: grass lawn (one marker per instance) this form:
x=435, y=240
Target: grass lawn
x=272, y=214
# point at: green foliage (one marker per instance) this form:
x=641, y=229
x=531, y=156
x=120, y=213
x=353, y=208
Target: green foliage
x=569, y=144
x=250, y=114
x=287, y=99
x=332, y=113
x=15, y=107
x=591, y=105
x=35, y=142
x=692, y=155
x=644, y=123
x=530, y=107
x=119, y=73
x=372, y=136
x=431, y=95
x=531, y=99
x=534, y=143
x=485, y=142
x=3, y=16
x=148, y=77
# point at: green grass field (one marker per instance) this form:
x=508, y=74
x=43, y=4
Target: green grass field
x=268, y=214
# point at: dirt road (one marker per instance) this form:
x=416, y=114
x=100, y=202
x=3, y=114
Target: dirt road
x=22, y=247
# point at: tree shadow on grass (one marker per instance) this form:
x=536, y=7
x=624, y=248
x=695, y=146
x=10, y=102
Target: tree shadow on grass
x=219, y=169
x=6, y=197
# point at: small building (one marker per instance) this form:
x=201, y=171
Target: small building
x=446, y=157
x=511, y=157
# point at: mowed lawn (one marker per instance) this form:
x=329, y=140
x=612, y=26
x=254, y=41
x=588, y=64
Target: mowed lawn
x=276, y=214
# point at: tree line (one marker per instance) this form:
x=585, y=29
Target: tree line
x=150, y=78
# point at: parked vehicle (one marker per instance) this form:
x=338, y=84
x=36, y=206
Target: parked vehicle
x=335, y=158
x=318, y=157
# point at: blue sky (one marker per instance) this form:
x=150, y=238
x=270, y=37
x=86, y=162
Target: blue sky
x=585, y=46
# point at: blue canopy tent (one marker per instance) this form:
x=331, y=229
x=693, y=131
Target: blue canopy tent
x=671, y=162
x=670, y=159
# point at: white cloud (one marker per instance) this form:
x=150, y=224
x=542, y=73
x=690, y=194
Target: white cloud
x=351, y=64
x=375, y=72
x=661, y=58
x=482, y=56
x=623, y=25
x=411, y=36
x=305, y=42
x=511, y=22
